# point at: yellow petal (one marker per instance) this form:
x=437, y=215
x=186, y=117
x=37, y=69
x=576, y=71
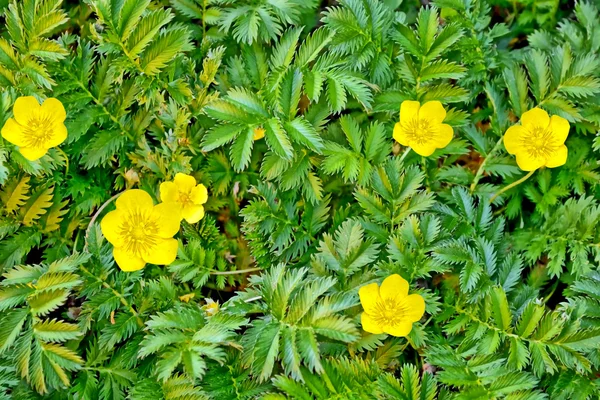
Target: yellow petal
x=528, y=163
x=184, y=182
x=409, y=110
x=54, y=109
x=193, y=213
x=169, y=192
x=423, y=149
x=414, y=305
x=536, y=117
x=164, y=253
x=558, y=158
x=259, y=133
x=25, y=108
x=401, y=329
x=369, y=295
x=443, y=136
x=128, y=262
x=59, y=134
x=168, y=217
x=513, y=138
x=32, y=153
x=394, y=286
x=135, y=199
x=560, y=128
x=400, y=135
x=369, y=324
x=13, y=132
x=432, y=111
x=111, y=227
x=199, y=194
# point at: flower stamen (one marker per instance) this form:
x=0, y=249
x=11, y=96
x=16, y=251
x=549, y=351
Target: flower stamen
x=140, y=233
x=37, y=132
x=389, y=312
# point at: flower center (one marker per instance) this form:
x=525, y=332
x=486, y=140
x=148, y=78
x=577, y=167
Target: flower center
x=389, y=312
x=38, y=132
x=540, y=143
x=184, y=198
x=419, y=130
x=140, y=231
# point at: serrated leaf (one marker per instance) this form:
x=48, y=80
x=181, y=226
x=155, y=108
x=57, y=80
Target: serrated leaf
x=37, y=205
x=277, y=139
x=14, y=194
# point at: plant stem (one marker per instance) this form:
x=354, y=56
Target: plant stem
x=551, y=291
x=424, y=165
x=512, y=185
x=239, y=271
x=251, y=299
x=403, y=156
x=117, y=294
x=102, y=207
x=66, y=159
x=482, y=166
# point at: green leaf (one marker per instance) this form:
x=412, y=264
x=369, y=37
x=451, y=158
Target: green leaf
x=53, y=330
x=516, y=82
x=220, y=136
x=12, y=324
x=302, y=132
x=290, y=93
x=159, y=53
x=241, y=151
x=277, y=139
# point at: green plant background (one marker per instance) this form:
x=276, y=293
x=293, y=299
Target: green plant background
x=298, y=221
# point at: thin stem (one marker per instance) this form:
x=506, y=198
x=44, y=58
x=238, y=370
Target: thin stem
x=551, y=291
x=482, y=166
x=120, y=296
x=239, y=271
x=424, y=165
x=66, y=159
x=512, y=185
x=251, y=299
x=403, y=156
x=87, y=231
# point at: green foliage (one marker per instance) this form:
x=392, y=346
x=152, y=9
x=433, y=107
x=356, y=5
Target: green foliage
x=297, y=315
x=33, y=339
x=285, y=111
x=184, y=336
x=567, y=236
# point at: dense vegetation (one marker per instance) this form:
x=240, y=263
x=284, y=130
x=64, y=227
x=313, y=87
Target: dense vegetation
x=280, y=229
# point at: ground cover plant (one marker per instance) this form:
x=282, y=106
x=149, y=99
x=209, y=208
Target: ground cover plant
x=299, y=199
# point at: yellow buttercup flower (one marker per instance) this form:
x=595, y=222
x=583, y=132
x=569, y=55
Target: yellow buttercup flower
x=389, y=308
x=184, y=192
x=421, y=127
x=259, y=133
x=211, y=307
x=36, y=128
x=187, y=297
x=140, y=231
x=538, y=141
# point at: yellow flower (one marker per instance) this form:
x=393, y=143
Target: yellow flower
x=36, y=128
x=421, y=127
x=184, y=192
x=259, y=133
x=140, y=231
x=187, y=297
x=211, y=307
x=389, y=308
x=538, y=141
